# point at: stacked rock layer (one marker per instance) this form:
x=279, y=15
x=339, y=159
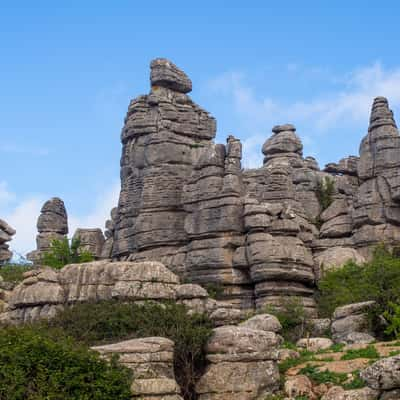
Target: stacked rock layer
x=52, y=224
x=256, y=237
x=6, y=234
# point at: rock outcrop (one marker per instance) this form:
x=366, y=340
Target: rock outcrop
x=44, y=291
x=258, y=237
x=52, y=224
x=350, y=323
x=164, y=135
x=91, y=240
x=151, y=360
x=238, y=352
x=6, y=234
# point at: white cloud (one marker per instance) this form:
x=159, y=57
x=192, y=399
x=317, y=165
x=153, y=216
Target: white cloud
x=23, y=218
x=350, y=103
x=24, y=214
x=100, y=212
x=18, y=149
x=6, y=196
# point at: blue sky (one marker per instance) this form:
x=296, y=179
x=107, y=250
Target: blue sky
x=67, y=74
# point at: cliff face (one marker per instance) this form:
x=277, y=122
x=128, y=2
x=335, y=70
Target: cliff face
x=257, y=236
x=261, y=235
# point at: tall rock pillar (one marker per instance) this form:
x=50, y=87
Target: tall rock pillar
x=163, y=136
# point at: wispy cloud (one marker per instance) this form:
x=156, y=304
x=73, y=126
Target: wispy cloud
x=100, y=212
x=350, y=102
x=18, y=149
x=23, y=216
x=6, y=196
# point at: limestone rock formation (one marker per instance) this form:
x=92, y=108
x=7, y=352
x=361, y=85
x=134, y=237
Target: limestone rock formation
x=151, y=360
x=44, y=291
x=52, y=224
x=6, y=234
x=235, y=353
x=164, y=135
x=91, y=240
x=350, y=323
x=383, y=374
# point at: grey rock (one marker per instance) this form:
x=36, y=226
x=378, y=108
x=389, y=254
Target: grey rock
x=166, y=74
x=91, y=240
x=384, y=374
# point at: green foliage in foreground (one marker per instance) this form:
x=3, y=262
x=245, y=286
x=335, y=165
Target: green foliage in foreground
x=368, y=352
x=62, y=253
x=392, y=316
x=37, y=364
x=95, y=323
x=377, y=280
x=13, y=272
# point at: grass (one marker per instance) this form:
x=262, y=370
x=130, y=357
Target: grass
x=319, y=377
x=14, y=272
x=368, y=352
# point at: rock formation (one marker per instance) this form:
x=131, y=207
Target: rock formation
x=52, y=224
x=163, y=137
x=151, y=360
x=238, y=352
x=91, y=240
x=258, y=237
x=6, y=234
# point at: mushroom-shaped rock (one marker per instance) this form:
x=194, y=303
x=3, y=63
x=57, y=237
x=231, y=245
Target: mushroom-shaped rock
x=283, y=140
x=166, y=74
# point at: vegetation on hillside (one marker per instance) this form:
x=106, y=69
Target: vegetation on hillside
x=377, y=280
x=62, y=252
x=44, y=364
x=111, y=321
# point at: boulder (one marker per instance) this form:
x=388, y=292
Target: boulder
x=384, y=374
x=263, y=322
x=151, y=360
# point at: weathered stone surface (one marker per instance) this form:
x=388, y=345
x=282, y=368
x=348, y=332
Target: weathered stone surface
x=338, y=393
x=43, y=289
x=350, y=323
x=6, y=234
x=314, y=344
x=91, y=240
x=336, y=257
x=151, y=360
x=383, y=374
x=166, y=74
x=237, y=352
x=299, y=385
x=263, y=322
x=52, y=224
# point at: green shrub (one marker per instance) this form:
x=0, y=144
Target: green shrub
x=368, y=352
x=326, y=376
x=14, y=272
x=62, y=253
x=292, y=316
x=215, y=290
x=94, y=323
x=325, y=191
x=392, y=316
x=377, y=280
x=37, y=364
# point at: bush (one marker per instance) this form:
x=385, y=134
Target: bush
x=325, y=191
x=377, y=280
x=37, y=364
x=94, y=323
x=62, y=253
x=392, y=316
x=292, y=316
x=14, y=272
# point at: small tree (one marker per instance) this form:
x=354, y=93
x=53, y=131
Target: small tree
x=325, y=191
x=62, y=253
